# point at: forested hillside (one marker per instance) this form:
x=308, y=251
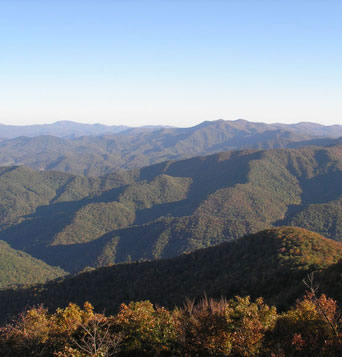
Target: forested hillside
x=271, y=263
x=169, y=208
x=18, y=268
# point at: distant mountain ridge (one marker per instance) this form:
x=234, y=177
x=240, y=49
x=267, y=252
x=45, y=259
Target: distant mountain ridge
x=72, y=129
x=67, y=129
x=59, y=129
x=95, y=155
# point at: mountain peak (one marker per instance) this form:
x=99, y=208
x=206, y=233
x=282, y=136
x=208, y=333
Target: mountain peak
x=299, y=247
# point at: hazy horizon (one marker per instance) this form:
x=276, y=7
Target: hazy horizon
x=175, y=63
x=166, y=125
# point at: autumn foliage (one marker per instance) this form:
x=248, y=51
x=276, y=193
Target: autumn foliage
x=236, y=327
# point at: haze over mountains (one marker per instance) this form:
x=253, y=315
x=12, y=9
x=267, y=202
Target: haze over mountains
x=217, y=238
x=59, y=129
x=94, y=150
x=72, y=129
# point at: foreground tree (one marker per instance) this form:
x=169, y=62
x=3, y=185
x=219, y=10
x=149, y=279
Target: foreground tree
x=236, y=327
x=311, y=328
x=219, y=328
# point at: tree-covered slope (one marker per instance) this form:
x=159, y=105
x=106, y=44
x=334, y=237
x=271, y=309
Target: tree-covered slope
x=19, y=268
x=137, y=147
x=23, y=190
x=170, y=208
x=271, y=263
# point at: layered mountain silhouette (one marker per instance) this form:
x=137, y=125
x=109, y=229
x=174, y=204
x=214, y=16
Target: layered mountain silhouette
x=94, y=150
x=271, y=263
x=60, y=129
x=171, y=208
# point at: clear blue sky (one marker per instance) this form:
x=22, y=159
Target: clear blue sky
x=170, y=62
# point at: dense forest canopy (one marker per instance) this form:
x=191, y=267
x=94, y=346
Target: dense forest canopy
x=271, y=264
x=170, y=208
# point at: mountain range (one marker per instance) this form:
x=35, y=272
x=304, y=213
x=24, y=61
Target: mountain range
x=171, y=208
x=164, y=213
x=94, y=150
x=72, y=129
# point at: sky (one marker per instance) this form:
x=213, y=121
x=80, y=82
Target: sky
x=170, y=62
